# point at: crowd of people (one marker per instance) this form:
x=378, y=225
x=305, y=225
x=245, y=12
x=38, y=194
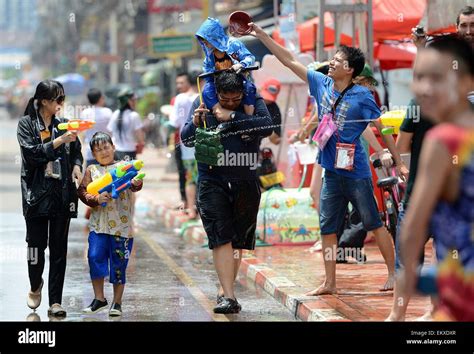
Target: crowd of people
x=226, y=195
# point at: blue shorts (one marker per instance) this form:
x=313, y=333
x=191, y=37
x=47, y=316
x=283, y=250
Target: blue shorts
x=336, y=192
x=209, y=94
x=108, y=256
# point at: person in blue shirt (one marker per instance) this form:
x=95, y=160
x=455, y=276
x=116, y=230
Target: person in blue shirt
x=228, y=194
x=345, y=180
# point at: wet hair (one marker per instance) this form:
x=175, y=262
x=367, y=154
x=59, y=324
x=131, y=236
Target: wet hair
x=458, y=48
x=355, y=58
x=188, y=76
x=46, y=90
x=100, y=138
x=468, y=10
x=229, y=81
x=94, y=95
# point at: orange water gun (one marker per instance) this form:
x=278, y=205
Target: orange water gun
x=76, y=125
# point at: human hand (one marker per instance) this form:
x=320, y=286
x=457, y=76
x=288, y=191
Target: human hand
x=221, y=114
x=256, y=30
x=76, y=175
x=198, y=114
x=293, y=138
x=418, y=40
x=403, y=172
x=68, y=137
x=137, y=182
x=237, y=67
x=302, y=135
x=104, y=197
x=385, y=158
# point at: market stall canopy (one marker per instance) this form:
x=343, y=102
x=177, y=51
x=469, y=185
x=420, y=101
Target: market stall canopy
x=395, y=55
x=395, y=19
x=308, y=34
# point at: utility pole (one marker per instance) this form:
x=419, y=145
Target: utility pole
x=365, y=32
x=131, y=12
x=113, y=47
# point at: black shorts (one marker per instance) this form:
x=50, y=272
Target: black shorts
x=229, y=212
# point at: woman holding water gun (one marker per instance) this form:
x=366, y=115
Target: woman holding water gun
x=50, y=168
x=110, y=224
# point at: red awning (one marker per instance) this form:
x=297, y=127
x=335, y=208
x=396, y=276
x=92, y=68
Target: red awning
x=395, y=19
x=395, y=56
x=308, y=34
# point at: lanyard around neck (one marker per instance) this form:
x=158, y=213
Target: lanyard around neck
x=340, y=97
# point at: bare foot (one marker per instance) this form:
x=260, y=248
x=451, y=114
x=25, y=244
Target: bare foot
x=323, y=289
x=317, y=247
x=389, y=283
x=427, y=317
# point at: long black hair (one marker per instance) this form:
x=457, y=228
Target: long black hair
x=46, y=90
x=124, y=97
x=120, y=118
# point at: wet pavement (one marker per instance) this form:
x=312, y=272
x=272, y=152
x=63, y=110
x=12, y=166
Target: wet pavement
x=167, y=279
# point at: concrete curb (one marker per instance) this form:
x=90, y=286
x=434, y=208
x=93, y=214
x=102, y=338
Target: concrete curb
x=305, y=308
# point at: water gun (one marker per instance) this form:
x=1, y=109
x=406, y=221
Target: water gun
x=392, y=120
x=76, y=125
x=118, y=180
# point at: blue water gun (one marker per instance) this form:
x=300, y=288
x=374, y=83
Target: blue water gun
x=118, y=180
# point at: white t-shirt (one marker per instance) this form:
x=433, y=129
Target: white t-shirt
x=131, y=122
x=179, y=114
x=101, y=116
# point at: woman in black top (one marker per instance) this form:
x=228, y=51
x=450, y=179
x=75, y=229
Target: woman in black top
x=51, y=167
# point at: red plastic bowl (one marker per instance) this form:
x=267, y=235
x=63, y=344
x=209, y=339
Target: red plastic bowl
x=238, y=23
